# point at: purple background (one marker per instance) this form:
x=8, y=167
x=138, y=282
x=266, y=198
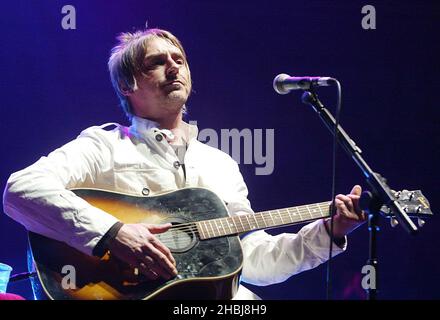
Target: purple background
x=54, y=83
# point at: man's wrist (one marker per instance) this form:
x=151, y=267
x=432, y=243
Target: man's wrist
x=338, y=239
x=102, y=246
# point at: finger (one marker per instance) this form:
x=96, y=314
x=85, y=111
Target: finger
x=347, y=201
x=150, y=266
x=148, y=272
x=164, y=249
x=160, y=259
x=343, y=210
x=158, y=228
x=161, y=271
x=355, y=200
x=357, y=190
x=340, y=206
x=124, y=258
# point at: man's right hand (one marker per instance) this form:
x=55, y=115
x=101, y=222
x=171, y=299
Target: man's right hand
x=136, y=245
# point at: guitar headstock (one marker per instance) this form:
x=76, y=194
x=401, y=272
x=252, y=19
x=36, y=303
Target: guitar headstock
x=413, y=203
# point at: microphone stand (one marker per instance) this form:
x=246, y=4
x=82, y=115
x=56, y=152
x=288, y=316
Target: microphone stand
x=370, y=201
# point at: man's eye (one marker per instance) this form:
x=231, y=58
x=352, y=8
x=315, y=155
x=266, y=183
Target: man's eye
x=156, y=63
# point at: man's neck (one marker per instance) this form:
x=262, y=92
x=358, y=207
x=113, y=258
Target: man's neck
x=178, y=127
x=171, y=122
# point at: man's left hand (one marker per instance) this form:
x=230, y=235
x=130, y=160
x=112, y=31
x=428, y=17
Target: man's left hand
x=348, y=215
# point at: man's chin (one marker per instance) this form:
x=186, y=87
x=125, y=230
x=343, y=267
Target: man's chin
x=177, y=96
x=175, y=100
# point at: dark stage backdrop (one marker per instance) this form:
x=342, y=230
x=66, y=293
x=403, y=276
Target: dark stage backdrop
x=54, y=83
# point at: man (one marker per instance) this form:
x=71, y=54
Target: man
x=157, y=153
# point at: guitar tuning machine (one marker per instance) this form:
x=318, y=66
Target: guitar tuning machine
x=394, y=222
x=410, y=195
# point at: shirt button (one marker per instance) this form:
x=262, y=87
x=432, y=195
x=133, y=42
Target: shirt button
x=159, y=137
x=145, y=191
x=176, y=164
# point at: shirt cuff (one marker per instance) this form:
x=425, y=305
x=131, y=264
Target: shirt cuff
x=340, y=242
x=102, y=246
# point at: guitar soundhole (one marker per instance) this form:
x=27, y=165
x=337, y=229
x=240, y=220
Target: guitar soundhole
x=180, y=237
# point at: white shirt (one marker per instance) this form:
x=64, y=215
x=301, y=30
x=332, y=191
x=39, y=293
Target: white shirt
x=137, y=160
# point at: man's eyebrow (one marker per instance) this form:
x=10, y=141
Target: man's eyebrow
x=161, y=54
x=153, y=56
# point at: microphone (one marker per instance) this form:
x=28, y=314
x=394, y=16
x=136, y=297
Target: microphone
x=283, y=83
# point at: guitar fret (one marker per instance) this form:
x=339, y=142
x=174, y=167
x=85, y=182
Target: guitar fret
x=216, y=225
x=262, y=221
x=263, y=218
x=235, y=224
x=314, y=211
x=281, y=217
x=308, y=209
x=223, y=227
x=318, y=210
x=248, y=222
x=248, y=225
x=200, y=229
x=210, y=224
x=290, y=215
x=242, y=226
x=207, y=230
x=229, y=225
x=256, y=222
x=299, y=212
x=273, y=221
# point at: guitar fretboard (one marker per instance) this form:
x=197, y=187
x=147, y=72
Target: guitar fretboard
x=262, y=220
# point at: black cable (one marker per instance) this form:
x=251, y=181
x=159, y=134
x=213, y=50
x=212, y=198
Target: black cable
x=332, y=205
x=22, y=276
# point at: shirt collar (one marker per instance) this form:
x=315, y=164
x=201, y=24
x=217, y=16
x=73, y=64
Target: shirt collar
x=141, y=127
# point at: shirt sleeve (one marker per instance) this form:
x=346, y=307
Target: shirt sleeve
x=271, y=259
x=38, y=196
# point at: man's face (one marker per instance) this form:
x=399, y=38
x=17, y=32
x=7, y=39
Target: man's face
x=164, y=84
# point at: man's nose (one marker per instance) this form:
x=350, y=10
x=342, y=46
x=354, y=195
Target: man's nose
x=173, y=68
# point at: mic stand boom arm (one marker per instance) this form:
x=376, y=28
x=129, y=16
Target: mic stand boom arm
x=381, y=193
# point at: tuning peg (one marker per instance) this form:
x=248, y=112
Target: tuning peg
x=420, y=222
x=394, y=222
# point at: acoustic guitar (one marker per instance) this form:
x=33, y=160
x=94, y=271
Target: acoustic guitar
x=203, y=240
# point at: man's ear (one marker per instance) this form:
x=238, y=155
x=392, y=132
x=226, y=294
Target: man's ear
x=126, y=91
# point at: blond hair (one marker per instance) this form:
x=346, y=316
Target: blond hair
x=127, y=60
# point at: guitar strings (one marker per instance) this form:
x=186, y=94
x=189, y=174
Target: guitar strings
x=174, y=238
x=261, y=216
x=257, y=216
x=191, y=227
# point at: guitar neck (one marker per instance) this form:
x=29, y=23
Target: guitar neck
x=220, y=227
